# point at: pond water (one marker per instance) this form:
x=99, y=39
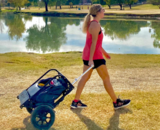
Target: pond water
x=26, y=33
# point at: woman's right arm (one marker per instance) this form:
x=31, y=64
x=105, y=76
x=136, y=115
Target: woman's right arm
x=94, y=29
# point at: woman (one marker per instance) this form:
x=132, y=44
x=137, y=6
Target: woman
x=93, y=55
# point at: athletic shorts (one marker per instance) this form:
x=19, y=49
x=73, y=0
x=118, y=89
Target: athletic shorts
x=97, y=63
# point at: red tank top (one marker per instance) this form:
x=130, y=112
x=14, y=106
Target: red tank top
x=98, y=51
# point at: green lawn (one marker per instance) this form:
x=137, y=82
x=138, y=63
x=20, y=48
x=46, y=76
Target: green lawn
x=31, y=61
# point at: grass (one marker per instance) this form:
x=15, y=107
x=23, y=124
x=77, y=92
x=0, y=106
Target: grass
x=32, y=61
x=136, y=9
x=143, y=113
x=19, y=70
x=7, y=10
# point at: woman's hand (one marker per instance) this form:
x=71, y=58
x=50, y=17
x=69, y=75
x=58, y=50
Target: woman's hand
x=90, y=63
x=106, y=54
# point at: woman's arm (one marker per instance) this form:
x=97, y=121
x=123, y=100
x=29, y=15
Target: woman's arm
x=94, y=30
x=106, y=54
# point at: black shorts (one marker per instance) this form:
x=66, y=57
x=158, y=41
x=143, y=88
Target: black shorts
x=97, y=63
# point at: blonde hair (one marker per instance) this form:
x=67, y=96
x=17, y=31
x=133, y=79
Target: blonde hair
x=95, y=8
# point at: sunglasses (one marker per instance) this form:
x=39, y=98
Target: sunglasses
x=101, y=9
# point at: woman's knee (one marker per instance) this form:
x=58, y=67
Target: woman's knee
x=106, y=79
x=86, y=78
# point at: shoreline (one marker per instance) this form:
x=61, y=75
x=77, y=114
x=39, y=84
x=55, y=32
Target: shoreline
x=155, y=16
x=69, y=52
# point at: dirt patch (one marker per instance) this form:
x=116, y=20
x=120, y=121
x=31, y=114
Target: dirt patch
x=139, y=79
x=142, y=79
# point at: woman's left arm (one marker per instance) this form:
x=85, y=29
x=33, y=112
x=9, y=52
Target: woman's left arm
x=106, y=54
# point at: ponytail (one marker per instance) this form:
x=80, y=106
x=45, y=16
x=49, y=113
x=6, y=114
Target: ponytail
x=92, y=13
x=86, y=22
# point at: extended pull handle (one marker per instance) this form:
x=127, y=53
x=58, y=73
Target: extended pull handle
x=82, y=74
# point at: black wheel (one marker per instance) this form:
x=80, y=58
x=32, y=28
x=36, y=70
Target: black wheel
x=29, y=109
x=43, y=117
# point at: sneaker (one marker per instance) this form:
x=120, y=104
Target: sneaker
x=121, y=103
x=78, y=104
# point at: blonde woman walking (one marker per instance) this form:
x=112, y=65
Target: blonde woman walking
x=93, y=55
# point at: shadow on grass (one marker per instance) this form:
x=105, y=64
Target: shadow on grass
x=89, y=123
x=28, y=125
x=113, y=122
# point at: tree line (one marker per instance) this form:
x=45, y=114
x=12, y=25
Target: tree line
x=56, y=3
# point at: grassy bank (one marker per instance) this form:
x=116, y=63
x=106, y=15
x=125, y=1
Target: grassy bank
x=143, y=113
x=19, y=70
x=16, y=62
x=7, y=10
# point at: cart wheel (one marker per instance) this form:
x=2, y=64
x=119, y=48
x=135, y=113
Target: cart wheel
x=29, y=109
x=43, y=117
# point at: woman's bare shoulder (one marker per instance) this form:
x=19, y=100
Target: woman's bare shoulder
x=94, y=26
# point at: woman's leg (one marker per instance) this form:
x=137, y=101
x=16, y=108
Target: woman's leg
x=103, y=73
x=83, y=81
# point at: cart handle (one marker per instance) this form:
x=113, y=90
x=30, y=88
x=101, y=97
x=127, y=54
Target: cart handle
x=45, y=74
x=82, y=75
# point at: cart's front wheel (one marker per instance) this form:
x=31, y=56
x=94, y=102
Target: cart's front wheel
x=43, y=117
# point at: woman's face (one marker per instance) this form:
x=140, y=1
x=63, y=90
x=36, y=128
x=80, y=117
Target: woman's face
x=101, y=12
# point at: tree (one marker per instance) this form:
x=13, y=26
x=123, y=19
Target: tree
x=46, y=2
x=2, y=3
x=32, y=2
x=56, y=2
x=95, y=1
x=154, y=2
x=102, y=2
x=52, y=3
x=75, y=2
x=109, y=3
x=18, y=3
x=72, y=2
x=40, y=4
x=130, y=2
x=60, y=2
x=120, y=2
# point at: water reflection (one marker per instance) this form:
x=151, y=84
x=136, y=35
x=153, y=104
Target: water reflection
x=50, y=37
x=52, y=34
x=156, y=34
x=15, y=25
x=122, y=29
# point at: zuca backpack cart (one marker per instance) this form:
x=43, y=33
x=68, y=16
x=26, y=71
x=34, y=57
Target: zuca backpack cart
x=43, y=96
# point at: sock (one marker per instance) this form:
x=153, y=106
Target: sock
x=114, y=102
x=75, y=100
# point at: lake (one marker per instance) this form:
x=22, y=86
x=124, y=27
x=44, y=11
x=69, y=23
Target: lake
x=26, y=33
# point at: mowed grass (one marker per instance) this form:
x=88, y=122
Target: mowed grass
x=136, y=9
x=4, y=10
x=142, y=114
x=19, y=70
x=19, y=61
